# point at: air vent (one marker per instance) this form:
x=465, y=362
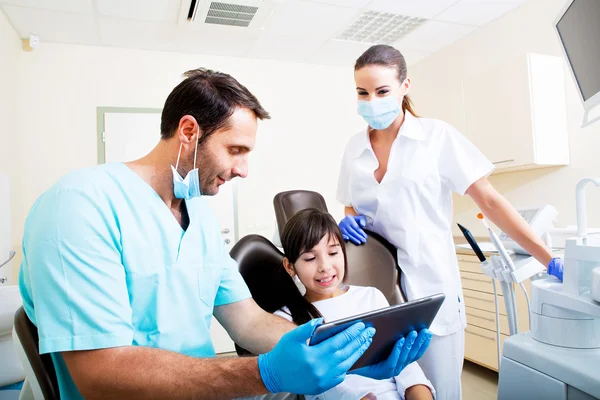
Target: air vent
x=230, y=14
x=379, y=28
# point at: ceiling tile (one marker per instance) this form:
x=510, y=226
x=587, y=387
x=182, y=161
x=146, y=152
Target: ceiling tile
x=310, y=20
x=137, y=34
x=215, y=42
x=74, y=6
x=433, y=36
x=413, y=8
x=283, y=48
x=345, y=3
x=336, y=52
x=141, y=10
x=53, y=26
x=477, y=12
x=412, y=57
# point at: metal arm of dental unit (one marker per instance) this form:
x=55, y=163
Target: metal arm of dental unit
x=561, y=313
x=11, y=255
x=565, y=314
x=580, y=207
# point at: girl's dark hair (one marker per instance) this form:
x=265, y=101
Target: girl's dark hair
x=387, y=56
x=301, y=233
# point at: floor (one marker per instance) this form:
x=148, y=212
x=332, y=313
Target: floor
x=479, y=383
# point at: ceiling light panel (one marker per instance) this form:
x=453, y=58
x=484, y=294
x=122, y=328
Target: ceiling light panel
x=379, y=27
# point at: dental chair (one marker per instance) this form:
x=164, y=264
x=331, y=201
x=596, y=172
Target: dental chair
x=40, y=382
x=260, y=262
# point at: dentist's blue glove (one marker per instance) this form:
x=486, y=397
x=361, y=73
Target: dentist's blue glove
x=406, y=351
x=294, y=366
x=351, y=228
x=555, y=268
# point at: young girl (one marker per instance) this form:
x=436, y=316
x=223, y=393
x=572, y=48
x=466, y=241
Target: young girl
x=316, y=257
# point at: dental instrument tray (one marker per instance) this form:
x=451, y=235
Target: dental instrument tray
x=391, y=324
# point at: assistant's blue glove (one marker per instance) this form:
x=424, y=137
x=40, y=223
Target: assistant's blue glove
x=295, y=367
x=555, y=268
x=405, y=351
x=351, y=228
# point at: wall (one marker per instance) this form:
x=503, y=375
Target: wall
x=313, y=108
x=60, y=86
x=437, y=93
x=9, y=54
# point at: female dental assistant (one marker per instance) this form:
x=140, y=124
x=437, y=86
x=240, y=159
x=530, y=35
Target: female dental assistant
x=397, y=179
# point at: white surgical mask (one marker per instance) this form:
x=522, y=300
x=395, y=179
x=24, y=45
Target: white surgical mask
x=380, y=112
x=189, y=187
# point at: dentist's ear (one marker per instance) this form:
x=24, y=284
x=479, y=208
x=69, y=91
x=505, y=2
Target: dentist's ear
x=187, y=130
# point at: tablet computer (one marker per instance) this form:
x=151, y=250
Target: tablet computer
x=391, y=324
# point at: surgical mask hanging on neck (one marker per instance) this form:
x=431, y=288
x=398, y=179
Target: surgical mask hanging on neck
x=189, y=187
x=379, y=113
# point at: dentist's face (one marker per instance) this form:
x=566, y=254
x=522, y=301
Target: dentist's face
x=373, y=81
x=224, y=154
x=320, y=269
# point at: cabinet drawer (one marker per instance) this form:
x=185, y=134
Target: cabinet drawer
x=478, y=282
x=468, y=258
x=483, y=301
x=470, y=266
x=480, y=346
x=487, y=320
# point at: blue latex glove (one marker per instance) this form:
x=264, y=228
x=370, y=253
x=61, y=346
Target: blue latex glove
x=294, y=366
x=555, y=268
x=351, y=228
x=406, y=351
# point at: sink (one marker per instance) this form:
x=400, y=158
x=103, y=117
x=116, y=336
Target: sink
x=11, y=370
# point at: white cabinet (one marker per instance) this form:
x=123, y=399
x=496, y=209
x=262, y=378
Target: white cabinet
x=515, y=112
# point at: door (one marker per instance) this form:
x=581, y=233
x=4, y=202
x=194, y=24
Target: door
x=129, y=134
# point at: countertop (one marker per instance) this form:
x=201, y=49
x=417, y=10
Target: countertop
x=469, y=252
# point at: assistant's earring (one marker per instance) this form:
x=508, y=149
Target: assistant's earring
x=299, y=285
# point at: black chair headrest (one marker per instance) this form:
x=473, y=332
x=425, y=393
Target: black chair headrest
x=261, y=265
x=288, y=203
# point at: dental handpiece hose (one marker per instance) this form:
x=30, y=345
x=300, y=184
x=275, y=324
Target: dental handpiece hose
x=507, y=288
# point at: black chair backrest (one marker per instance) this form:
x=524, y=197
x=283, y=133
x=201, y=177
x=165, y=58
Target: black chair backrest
x=289, y=203
x=42, y=365
x=261, y=265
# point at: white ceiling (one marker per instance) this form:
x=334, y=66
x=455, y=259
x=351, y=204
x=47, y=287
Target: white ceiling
x=286, y=30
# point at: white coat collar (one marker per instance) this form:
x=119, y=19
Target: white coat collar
x=411, y=128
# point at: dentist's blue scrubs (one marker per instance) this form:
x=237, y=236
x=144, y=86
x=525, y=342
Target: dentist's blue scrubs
x=106, y=264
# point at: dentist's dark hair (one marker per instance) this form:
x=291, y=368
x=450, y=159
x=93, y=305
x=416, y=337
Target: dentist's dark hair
x=387, y=56
x=301, y=233
x=211, y=97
